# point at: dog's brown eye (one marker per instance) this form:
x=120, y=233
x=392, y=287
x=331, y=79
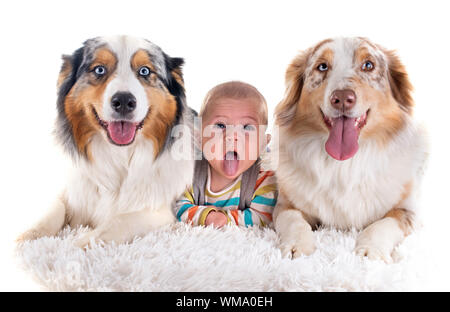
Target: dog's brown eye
x=323, y=67
x=367, y=66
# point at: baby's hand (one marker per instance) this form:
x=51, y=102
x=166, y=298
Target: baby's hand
x=216, y=218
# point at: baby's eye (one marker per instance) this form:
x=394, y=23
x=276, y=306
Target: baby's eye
x=220, y=125
x=249, y=127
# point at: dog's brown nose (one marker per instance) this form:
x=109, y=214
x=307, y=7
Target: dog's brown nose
x=343, y=99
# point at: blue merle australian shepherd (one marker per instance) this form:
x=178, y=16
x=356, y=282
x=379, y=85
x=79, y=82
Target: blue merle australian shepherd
x=119, y=98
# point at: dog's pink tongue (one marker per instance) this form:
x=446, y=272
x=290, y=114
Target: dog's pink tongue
x=342, y=142
x=230, y=164
x=121, y=132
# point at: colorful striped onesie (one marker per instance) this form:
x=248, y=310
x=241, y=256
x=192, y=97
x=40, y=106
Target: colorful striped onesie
x=227, y=201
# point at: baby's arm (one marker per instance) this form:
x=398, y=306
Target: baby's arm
x=261, y=207
x=258, y=214
x=187, y=211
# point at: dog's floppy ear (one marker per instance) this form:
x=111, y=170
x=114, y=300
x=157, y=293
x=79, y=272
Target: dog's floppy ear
x=286, y=109
x=175, y=85
x=175, y=81
x=399, y=82
x=66, y=70
x=175, y=64
x=66, y=80
x=68, y=73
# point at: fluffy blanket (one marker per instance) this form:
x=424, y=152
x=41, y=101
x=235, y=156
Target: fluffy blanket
x=184, y=258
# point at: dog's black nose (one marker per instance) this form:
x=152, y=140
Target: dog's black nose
x=123, y=102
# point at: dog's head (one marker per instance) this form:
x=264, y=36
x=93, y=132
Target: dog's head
x=348, y=89
x=120, y=87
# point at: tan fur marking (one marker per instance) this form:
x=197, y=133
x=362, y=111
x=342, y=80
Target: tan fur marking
x=362, y=54
x=388, y=114
x=161, y=116
x=104, y=57
x=326, y=57
x=78, y=106
x=82, y=127
x=141, y=58
x=404, y=218
x=406, y=191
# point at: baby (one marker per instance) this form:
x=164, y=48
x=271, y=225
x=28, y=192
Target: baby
x=229, y=187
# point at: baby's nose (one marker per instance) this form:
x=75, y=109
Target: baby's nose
x=232, y=136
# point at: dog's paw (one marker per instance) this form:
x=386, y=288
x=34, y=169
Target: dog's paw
x=296, y=248
x=88, y=240
x=378, y=240
x=373, y=253
x=373, y=246
x=31, y=234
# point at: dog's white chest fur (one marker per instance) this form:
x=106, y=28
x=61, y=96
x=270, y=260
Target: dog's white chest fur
x=354, y=192
x=124, y=179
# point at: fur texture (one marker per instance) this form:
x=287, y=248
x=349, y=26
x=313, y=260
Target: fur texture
x=180, y=257
x=375, y=190
x=121, y=188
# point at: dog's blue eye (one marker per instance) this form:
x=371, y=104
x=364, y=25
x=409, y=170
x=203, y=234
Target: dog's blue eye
x=144, y=71
x=322, y=67
x=100, y=70
x=367, y=66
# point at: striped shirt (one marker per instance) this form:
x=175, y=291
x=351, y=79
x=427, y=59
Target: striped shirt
x=227, y=201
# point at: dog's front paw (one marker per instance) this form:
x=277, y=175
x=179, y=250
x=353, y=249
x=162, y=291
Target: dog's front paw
x=378, y=240
x=31, y=234
x=87, y=240
x=373, y=253
x=295, y=248
x=374, y=247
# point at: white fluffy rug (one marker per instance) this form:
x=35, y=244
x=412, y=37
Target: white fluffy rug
x=183, y=258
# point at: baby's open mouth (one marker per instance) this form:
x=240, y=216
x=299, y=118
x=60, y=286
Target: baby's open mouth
x=231, y=163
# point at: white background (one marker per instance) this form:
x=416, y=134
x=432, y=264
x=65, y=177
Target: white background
x=252, y=41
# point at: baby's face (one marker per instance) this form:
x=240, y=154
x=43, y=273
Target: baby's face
x=231, y=132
